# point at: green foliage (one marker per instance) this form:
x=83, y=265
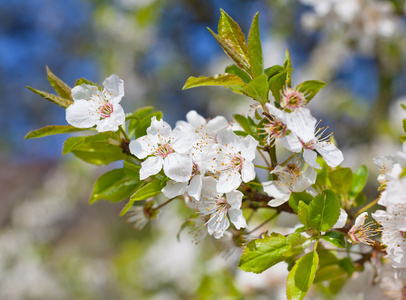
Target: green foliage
x=302, y=213
x=288, y=66
x=149, y=190
x=51, y=130
x=257, y=89
x=359, y=179
x=276, y=80
x=60, y=87
x=114, y=186
x=142, y=126
x=262, y=254
x=87, y=81
x=132, y=170
x=324, y=211
x=255, y=48
x=296, y=197
x=229, y=81
x=310, y=88
x=233, y=69
x=52, y=98
x=248, y=125
x=301, y=276
x=321, y=179
x=341, y=180
x=336, y=238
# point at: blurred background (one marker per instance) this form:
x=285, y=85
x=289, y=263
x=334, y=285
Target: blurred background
x=53, y=245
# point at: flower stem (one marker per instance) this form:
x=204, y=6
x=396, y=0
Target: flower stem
x=292, y=156
x=369, y=205
x=263, y=223
x=262, y=167
x=272, y=155
x=122, y=130
x=165, y=203
x=264, y=158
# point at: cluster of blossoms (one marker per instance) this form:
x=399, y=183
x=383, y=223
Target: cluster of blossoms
x=205, y=159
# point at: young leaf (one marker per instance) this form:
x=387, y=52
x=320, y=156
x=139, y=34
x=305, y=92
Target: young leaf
x=359, y=179
x=99, y=153
x=341, y=180
x=149, y=190
x=132, y=170
x=288, y=66
x=310, y=88
x=51, y=130
x=52, y=98
x=336, y=238
x=301, y=276
x=255, y=48
x=297, y=244
x=243, y=121
x=87, y=81
x=60, y=87
x=257, y=89
x=141, y=128
x=324, y=211
x=302, y=213
x=226, y=80
x=233, y=69
x=262, y=254
x=114, y=186
x=296, y=197
x=277, y=81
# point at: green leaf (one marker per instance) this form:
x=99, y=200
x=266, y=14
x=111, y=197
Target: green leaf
x=403, y=105
x=360, y=199
x=302, y=213
x=329, y=272
x=51, y=130
x=226, y=80
x=402, y=138
x=324, y=211
x=297, y=243
x=288, y=66
x=255, y=48
x=52, y=98
x=149, y=190
x=321, y=179
x=301, y=276
x=60, y=87
x=341, y=180
x=233, y=69
x=114, y=186
x=75, y=141
x=245, y=124
x=335, y=237
x=404, y=125
x=87, y=81
x=142, y=127
x=132, y=170
x=296, y=197
x=277, y=81
x=262, y=254
x=257, y=89
x=136, y=118
x=359, y=179
x=310, y=88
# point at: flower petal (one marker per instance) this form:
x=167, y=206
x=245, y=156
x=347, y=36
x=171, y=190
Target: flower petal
x=227, y=137
x=216, y=124
x=195, y=187
x=331, y=154
x=274, y=190
x=112, y=123
x=342, y=219
x=114, y=85
x=302, y=123
x=228, y=181
x=160, y=128
x=291, y=142
x=150, y=167
x=195, y=119
x=248, y=147
x=84, y=92
x=178, y=167
x=237, y=218
x=81, y=114
x=173, y=188
x=248, y=171
x=142, y=147
x=183, y=138
x=310, y=157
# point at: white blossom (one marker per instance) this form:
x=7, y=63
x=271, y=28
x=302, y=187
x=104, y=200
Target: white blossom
x=362, y=232
x=290, y=179
x=165, y=147
x=94, y=107
x=221, y=207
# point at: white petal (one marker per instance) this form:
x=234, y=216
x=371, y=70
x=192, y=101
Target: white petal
x=183, y=138
x=279, y=114
x=234, y=198
x=81, y=114
x=112, y=123
x=195, y=119
x=83, y=92
x=248, y=146
x=142, y=147
x=218, y=225
x=209, y=188
x=216, y=124
x=342, y=219
x=248, y=171
x=237, y=218
x=160, y=128
x=150, y=167
x=173, y=188
x=274, y=190
x=302, y=123
x=178, y=167
x=228, y=181
x=360, y=220
x=195, y=187
x=330, y=153
x=114, y=85
x=310, y=157
x=291, y=142
x=227, y=137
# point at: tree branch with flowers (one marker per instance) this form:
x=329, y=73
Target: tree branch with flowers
x=210, y=164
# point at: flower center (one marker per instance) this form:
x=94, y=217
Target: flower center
x=237, y=162
x=292, y=99
x=310, y=144
x=275, y=128
x=106, y=109
x=195, y=170
x=164, y=150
